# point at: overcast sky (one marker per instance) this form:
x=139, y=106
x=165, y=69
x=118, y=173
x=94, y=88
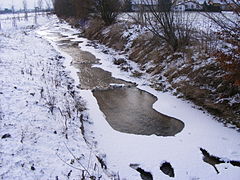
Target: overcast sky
x=18, y=4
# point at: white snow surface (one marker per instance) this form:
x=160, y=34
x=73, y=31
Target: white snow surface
x=33, y=79
x=36, y=124
x=181, y=150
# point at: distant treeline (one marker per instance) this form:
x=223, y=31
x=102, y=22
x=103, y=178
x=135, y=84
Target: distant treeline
x=82, y=8
x=74, y=8
x=107, y=10
x=10, y=11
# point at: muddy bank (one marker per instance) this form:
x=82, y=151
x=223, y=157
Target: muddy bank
x=190, y=73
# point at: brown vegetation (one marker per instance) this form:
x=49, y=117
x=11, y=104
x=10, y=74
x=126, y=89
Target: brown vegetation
x=230, y=57
x=191, y=71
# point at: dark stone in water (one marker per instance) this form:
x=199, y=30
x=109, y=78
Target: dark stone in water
x=167, y=169
x=129, y=110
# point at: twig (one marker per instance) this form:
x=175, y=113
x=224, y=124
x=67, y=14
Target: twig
x=68, y=163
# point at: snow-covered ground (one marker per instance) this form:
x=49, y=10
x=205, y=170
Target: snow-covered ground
x=40, y=110
x=149, y=152
x=38, y=137
x=197, y=20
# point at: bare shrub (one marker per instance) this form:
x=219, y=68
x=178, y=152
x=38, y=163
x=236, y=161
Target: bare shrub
x=25, y=10
x=230, y=57
x=173, y=27
x=127, y=6
x=83, y=8
x=109, y=10
x=229, y=54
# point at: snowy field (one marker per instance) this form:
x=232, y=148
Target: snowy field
x=197, y=20
x=41, y=147
x=40, y=110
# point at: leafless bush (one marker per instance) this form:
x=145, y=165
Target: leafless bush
x=109, y=10
x=35, y=17
x=88, y=172
x=49, y=4
x=127, y=6
x=25, y=10
x=83, y=8
x=229, y=36
x=50, y=100
x=223, y=20
x=174, y=28
x=14, y=22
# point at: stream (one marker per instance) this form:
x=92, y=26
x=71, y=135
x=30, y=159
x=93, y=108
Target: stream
x=127, y=108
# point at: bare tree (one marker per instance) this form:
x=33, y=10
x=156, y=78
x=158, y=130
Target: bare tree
x=109, y=10
x=35, y=14
x=127, y=5
x=140, y=14
x=25, y=10
x=40, y=5
x=14, y=23
x=49, y=4
x=64, y=8
x=223, y=20
x=83, y=8
x=168, y=25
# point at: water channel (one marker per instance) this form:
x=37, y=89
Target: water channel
x=127, y=109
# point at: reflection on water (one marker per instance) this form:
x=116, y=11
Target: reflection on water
x=91, y=77
x=129, y=110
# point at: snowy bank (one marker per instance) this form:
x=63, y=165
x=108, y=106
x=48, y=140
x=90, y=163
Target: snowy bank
x=124, y=153
x=40, y=110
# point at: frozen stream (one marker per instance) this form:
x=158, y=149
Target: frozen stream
x=197, y=147
x=127, y=108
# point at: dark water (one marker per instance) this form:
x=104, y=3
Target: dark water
x=91, y=77
x=128, y=110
